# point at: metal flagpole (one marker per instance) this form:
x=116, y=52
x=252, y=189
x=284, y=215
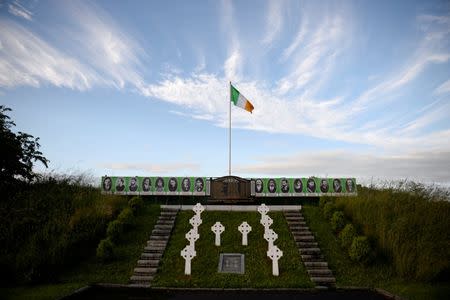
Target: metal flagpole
x=229, y=149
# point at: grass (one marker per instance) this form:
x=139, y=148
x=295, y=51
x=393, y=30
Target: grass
x=258, y=267
x=380, y=274
x=128, y=250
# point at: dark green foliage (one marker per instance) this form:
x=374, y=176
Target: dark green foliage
x=347, y=235
x=114, y=230
x=126, y=217
x=408, y=225
x=136, y=203
x=328, y=209
x=359, y=251
x=105, y=250
x=337, y=221
x=322, y=201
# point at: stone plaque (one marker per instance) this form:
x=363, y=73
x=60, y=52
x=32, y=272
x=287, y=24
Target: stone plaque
x=232, y=263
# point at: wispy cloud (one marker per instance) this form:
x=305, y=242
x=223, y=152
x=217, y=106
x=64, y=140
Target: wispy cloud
x=443, y=88
x=274, y=21
x=169, y=168
x=19, y=10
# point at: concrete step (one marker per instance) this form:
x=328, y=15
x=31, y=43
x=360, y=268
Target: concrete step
x=312, y=251
x=161, y=231
x=320, y=273
x=154, y=249
x=139, y=279
x=151, y=255
x=163, y=226
x=139, y=285
x=296, y=222
x=307, y=244
x=166, y=222
x=301, y=232
x=159, y=238
x=311, y=257
x=158, y=243
x=294, y=218
x=168, y=213
x=167, y=218
x=315, y=264
x=323, y=280
x=304, y=238
x=142, y=263
x=140, y=271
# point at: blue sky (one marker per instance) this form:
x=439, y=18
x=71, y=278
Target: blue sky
x=340, y=88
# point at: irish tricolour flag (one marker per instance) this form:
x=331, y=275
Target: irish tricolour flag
x=239, y=100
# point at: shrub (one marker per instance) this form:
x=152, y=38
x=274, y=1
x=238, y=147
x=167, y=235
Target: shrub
x=126, y=217
x=360, y=249
x=328, y=210
x=105, y=250
x=322, y=201
x=115, y=230
x=135, y=204
x=347, y=235
x=337, y=221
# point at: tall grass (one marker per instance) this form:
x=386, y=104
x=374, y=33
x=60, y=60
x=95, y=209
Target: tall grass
x=409, y=223
x=50, y=224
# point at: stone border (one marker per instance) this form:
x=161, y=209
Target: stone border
x=234, y=207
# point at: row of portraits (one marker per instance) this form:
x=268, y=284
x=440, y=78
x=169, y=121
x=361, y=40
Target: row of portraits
x=304, y=186
x=154, y=185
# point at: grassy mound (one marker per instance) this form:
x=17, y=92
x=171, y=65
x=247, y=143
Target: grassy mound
x=258, y=267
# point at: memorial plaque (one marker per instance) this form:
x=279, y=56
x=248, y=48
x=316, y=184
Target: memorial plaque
x=232, y=263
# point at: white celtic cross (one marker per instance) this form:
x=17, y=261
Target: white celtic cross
x=270, y=236
x=244, y=228
x=188, y=253
x=217, y=228
x=263, y=209
x=274, y=254
x=266, y=221
x=192, y=236
x=195, y=221
x=198, y=209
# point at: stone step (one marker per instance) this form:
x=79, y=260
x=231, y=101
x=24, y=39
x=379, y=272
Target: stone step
x=139, y=279
x=139, y=285
x=320, y=273
x=158, y=243
x=296, y=222
x=301, y=232
x=311, y=257
x=303, y=238
x=161, y=231
x=305, y=245
x=323, y=280
x=148, y=263
x=295, y=218
x=151, y=255
x=166, y=222
x=168, y=214
x=310, y=251
x=145, y=271
x=163, y=226
x=154, y=249
x=315, y=264
x=159, y=238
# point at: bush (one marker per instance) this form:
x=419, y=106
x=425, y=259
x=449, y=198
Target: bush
x=322, y=201
x=105, y=250
x=135, y=204
x=347, y=235
x=337, y=221
x=126, y=217
x=328, y=210
x=360, y=249
x=114, y=231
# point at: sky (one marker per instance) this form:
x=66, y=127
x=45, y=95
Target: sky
x=340, y=88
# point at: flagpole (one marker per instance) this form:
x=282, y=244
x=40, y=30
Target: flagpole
x=229, y=149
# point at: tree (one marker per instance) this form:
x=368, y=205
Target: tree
x=18, y=152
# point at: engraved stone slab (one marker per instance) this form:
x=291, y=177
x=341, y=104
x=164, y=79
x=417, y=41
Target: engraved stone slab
x=198, y=209
x=192, y=236
x=217, y=228
x=244, y=228
x=275, y=254
x=188, y=253
x=263, y=209
x=232, y=263
x=270, y=236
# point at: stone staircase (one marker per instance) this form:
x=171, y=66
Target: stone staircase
x=313, y=260
x=147, y=265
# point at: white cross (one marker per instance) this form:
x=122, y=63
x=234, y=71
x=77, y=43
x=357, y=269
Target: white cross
x=195, y=221
x=263, y=209
x=270, y=236
x=217, y=228
x=244, y=228
x=198, y=209
x=266, y=221
x=192, y=236
x=188, y=253
x=274, y=254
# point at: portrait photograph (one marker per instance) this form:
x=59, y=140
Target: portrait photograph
x=199, y=184
x=337, y=187
x=350, y=185
x=298, y=185
x=146, y=184
x=311, y=185
x=133, y=187
x=272, y=186
x=284, y=185
x=186, y=184
x=120, y=184
x=259, y=186
x=324, y=187
x=173, y=184
x=159, y=184
x=107, y=184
